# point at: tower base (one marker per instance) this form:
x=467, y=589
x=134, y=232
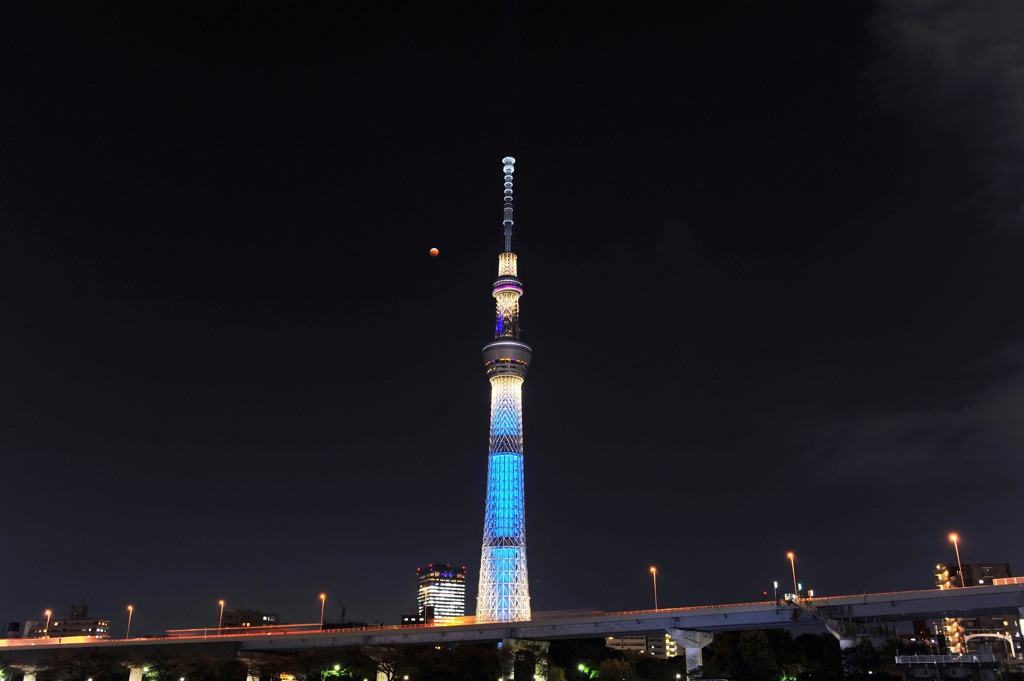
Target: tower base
x=524, y=660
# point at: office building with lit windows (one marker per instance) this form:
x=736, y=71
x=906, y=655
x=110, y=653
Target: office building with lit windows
x=441, y=592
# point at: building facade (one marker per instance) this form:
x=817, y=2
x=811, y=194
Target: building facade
x=77, y=623
x=963, y=635
x=249, y=618
x=661, y=646
x=440, y=593
x=947, y=575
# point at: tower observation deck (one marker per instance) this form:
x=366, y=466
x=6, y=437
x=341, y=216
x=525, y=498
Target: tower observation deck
x=504, y=593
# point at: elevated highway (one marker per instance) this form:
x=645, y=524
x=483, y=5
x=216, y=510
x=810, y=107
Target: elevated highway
x=811, y=615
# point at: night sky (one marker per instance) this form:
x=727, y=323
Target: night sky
x=772, y=260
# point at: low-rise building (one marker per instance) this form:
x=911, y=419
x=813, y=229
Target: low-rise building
x=963, y=635
x=78, y=623
x=248, y=618
x=661, y=646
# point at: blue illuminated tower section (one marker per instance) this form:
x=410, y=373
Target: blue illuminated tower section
x=504, y=594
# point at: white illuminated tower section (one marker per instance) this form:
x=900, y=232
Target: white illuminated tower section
x=504, y=594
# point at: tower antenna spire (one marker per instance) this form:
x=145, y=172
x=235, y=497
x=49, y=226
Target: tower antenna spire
x=509, y=167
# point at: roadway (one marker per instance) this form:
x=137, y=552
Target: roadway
x=885, y=607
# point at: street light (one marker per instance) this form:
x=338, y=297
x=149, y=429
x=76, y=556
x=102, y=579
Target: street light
x=128, y=631
x=46, y=631
x=220, y=621
x=654, y=574
x=792, y=565
x=323, y=602
x=775, y=585
x=955, y=538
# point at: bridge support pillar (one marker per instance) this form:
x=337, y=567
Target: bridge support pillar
x=135, y=674
x=692, y=642
x=30, y=676
x=847, y=642
x=523, y=660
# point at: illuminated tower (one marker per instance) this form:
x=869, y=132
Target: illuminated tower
x=504, y=594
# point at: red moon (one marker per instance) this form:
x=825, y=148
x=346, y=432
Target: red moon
x=434, y=252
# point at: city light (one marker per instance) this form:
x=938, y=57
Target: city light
x=792, y=565
x=46, y=631
x=955, y=538
x=323, y=603
x=654, y=575
x=220, y=620
x=128, y=631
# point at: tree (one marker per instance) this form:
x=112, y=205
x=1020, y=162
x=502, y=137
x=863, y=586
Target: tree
x=757, y=662
x=194, y=666
x=88, y=663
x=556, y=674
x=386, y=660
x=860, y=659
x=721, y=657
x=477, y=662
x=821, y=656
x=569, y=653
x=616, y=670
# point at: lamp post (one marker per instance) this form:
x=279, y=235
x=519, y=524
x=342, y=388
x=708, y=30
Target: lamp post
x=955, y=538
x=792, y=566
x=46, y=631
x=128, y=631
x=654, y=575
x=220, y=621
x=775, y=585
x=323, y=602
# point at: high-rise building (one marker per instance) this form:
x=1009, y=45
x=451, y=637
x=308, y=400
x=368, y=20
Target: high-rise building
x=441, y=592
x=504, y=593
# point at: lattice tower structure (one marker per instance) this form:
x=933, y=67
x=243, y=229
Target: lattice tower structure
x=504, y=592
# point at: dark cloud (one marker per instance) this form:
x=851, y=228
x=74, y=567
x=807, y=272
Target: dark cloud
x=920, y=448
x=959, y=67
